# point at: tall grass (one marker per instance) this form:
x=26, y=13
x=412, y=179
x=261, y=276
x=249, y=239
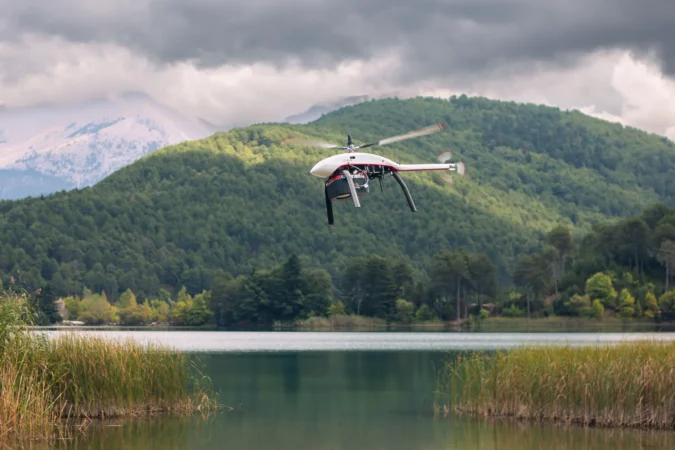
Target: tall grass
x=629, y=384
x=47, y=384
x=340, y=322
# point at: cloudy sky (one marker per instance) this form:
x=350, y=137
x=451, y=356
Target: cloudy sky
x=242, y=61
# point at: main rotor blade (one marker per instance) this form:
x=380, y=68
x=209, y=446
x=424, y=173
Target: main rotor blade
x=313, y=143
x=413, y=134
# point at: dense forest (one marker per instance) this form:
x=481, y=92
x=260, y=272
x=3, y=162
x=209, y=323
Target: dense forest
x=237, y=205
x=621, y=269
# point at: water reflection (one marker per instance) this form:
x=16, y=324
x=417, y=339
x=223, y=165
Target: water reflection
x=404, y=432
x=344, y=400
x=478, y=434
x=215, y=341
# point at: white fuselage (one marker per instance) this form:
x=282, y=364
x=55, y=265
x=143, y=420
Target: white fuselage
x=326, y=167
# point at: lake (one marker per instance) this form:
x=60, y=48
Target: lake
x=325, y=390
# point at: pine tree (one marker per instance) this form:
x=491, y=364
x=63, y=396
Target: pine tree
x=46, y=309
x=294, y=288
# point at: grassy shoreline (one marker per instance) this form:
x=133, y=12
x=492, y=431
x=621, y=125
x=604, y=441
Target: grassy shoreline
x=343, y=322
x=47, y=385
x=623, y=385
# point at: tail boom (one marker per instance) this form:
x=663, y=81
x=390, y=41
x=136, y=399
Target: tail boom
x=423, y=167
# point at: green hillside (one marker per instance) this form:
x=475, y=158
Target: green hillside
x=245, y=200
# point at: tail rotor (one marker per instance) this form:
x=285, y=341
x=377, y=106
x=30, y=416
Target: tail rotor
x=444, y=158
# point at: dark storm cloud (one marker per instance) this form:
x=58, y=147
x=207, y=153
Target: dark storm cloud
x=437, y=37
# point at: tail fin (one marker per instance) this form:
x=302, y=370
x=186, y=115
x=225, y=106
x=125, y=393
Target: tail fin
x=349, y=140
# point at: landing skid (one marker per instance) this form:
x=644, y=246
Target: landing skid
x=408, y=197
x=372, y=172
x=329, y=208
x=352, y=189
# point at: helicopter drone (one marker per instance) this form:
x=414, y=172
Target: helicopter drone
x=347, y=174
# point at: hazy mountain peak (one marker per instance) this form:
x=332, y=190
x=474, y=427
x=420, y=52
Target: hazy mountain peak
x=316, y=111
x=78, y=144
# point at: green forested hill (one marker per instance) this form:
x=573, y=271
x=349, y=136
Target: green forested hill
x=565, y=162
x=245, y=200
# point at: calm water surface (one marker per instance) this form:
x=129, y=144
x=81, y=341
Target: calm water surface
x=291, y=390
x=274, y=341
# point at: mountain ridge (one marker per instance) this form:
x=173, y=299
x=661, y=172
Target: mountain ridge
x=244, y=200
x=81, y=143
x=88, y=141
x=314, y=112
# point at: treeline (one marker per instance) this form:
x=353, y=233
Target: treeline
x=622, y=269
x=187, y=219
x=189, y=214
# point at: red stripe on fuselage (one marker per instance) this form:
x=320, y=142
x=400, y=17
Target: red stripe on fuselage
x=338, y=175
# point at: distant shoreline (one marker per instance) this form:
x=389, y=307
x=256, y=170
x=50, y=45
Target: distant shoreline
x=367, y=324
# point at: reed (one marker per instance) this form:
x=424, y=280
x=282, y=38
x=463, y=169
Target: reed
x=629, y=384
x=47, y=385
x=340, y=322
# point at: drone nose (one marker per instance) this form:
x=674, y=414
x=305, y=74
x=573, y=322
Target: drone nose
x=315, y=169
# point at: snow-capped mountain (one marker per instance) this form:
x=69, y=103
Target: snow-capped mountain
x=49, y=148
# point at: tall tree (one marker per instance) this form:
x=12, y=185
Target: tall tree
x=666, y=256
x=319, y=291
x=451, y=268
x=294, y=288
x=46, y=309
x=440, y=284
x=560, y=238
x=634, y=234
x=251, y=300
x=600, y=287
x=381, y=289
x=223, y=300
x=483, y=276
x=354, y=285
x=533, y=274
x=551, y=256
x=405, y=280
